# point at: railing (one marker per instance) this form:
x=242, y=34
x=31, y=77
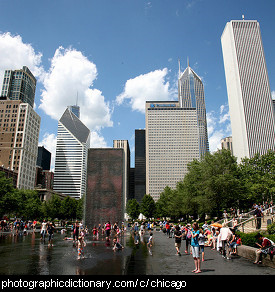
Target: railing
x=245, y=218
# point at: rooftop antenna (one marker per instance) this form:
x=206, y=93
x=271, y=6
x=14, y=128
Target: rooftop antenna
x=76, y=98
x=188, y=62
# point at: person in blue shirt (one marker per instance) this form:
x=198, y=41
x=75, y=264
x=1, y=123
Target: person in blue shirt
x=195, y=247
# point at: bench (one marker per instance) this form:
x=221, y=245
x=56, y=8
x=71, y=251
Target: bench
x=250, y=253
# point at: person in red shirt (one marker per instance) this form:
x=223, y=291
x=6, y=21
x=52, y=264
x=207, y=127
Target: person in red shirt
x=264, y=244
x=167, y=226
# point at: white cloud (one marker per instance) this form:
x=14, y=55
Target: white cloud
x=218, y=127
x=146, y=87
x=49, y=142
x=97, y=141
x=71, y=75
x=14, y=54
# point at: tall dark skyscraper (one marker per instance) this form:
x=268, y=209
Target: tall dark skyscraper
x=44, y=158
x=19, y=85
x=140, y=165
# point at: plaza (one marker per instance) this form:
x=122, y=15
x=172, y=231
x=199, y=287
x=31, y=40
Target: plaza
x=27, y=255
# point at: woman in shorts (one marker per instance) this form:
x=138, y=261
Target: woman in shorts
x=195, y=247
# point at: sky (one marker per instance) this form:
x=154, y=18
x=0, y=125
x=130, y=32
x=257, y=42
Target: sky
x=110, y=56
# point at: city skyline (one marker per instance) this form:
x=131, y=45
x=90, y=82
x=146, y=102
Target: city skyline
x=112, y=68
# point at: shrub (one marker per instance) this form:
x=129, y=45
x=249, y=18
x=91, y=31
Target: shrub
x=271, y=228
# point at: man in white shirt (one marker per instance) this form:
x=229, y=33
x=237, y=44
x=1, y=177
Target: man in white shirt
x=225, y=234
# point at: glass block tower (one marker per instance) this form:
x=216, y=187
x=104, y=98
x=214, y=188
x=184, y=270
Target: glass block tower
x=19, y=85
x=73, y=141
x=191, y=96
x=248, y=89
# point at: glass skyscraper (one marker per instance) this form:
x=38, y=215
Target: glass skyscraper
x=191, y=96
x=73, y=141
x=19, y=85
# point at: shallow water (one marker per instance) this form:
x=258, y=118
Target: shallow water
x=27, y=255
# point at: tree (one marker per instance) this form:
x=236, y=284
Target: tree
x=68, y=208
x=52, y=207
x=258, y=175
x=132, y=208
x=6, y=189
x=148, y=206
x=32, y=206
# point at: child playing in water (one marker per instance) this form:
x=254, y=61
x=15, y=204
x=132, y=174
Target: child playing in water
x=80, y=245
x=117, y=245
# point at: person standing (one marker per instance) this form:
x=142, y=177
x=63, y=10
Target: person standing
x=195, y=247
x=50, y=231
x=178, y=236
x=226, y=234
x=201, y=243
x=43, y=230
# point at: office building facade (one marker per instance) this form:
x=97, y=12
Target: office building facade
x=248, y=89
x=73, y=141
x=140, y=165
x=44, y=158
x=19, y=85
x=19, y=134
x=226, y=143
x=176, y=134
x=123, y=144
x=172, y=141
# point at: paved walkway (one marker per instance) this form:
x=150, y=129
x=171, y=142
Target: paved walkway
x=164, y=261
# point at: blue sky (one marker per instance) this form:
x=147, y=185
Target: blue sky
x=115, y=54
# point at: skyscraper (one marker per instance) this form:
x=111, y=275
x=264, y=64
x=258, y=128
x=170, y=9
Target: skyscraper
x=19, y=133
x=176, y=134
x=191, y=95
x=73, y=140
x=123, y=144
x=19, y=85
x=75, y=109
x=140, y=165
x=249, y=95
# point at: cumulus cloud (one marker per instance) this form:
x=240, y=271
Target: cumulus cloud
x=218, y=127
x=71, y=75
x=97, y=141
x=152, y=86
x=14, y=54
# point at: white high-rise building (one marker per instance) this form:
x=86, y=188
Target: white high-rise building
x=73, y=141
x=176, y=134
x=248, y=89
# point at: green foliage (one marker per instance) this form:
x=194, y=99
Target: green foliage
x=148, y=206
x=133, y=208
x=271, y=229
x=26, y=204
x=216, y=183
x=250, y=240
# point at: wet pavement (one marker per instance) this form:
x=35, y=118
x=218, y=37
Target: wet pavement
x=27, y=255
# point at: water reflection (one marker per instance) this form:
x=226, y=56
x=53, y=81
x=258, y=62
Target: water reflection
x=28, y=255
